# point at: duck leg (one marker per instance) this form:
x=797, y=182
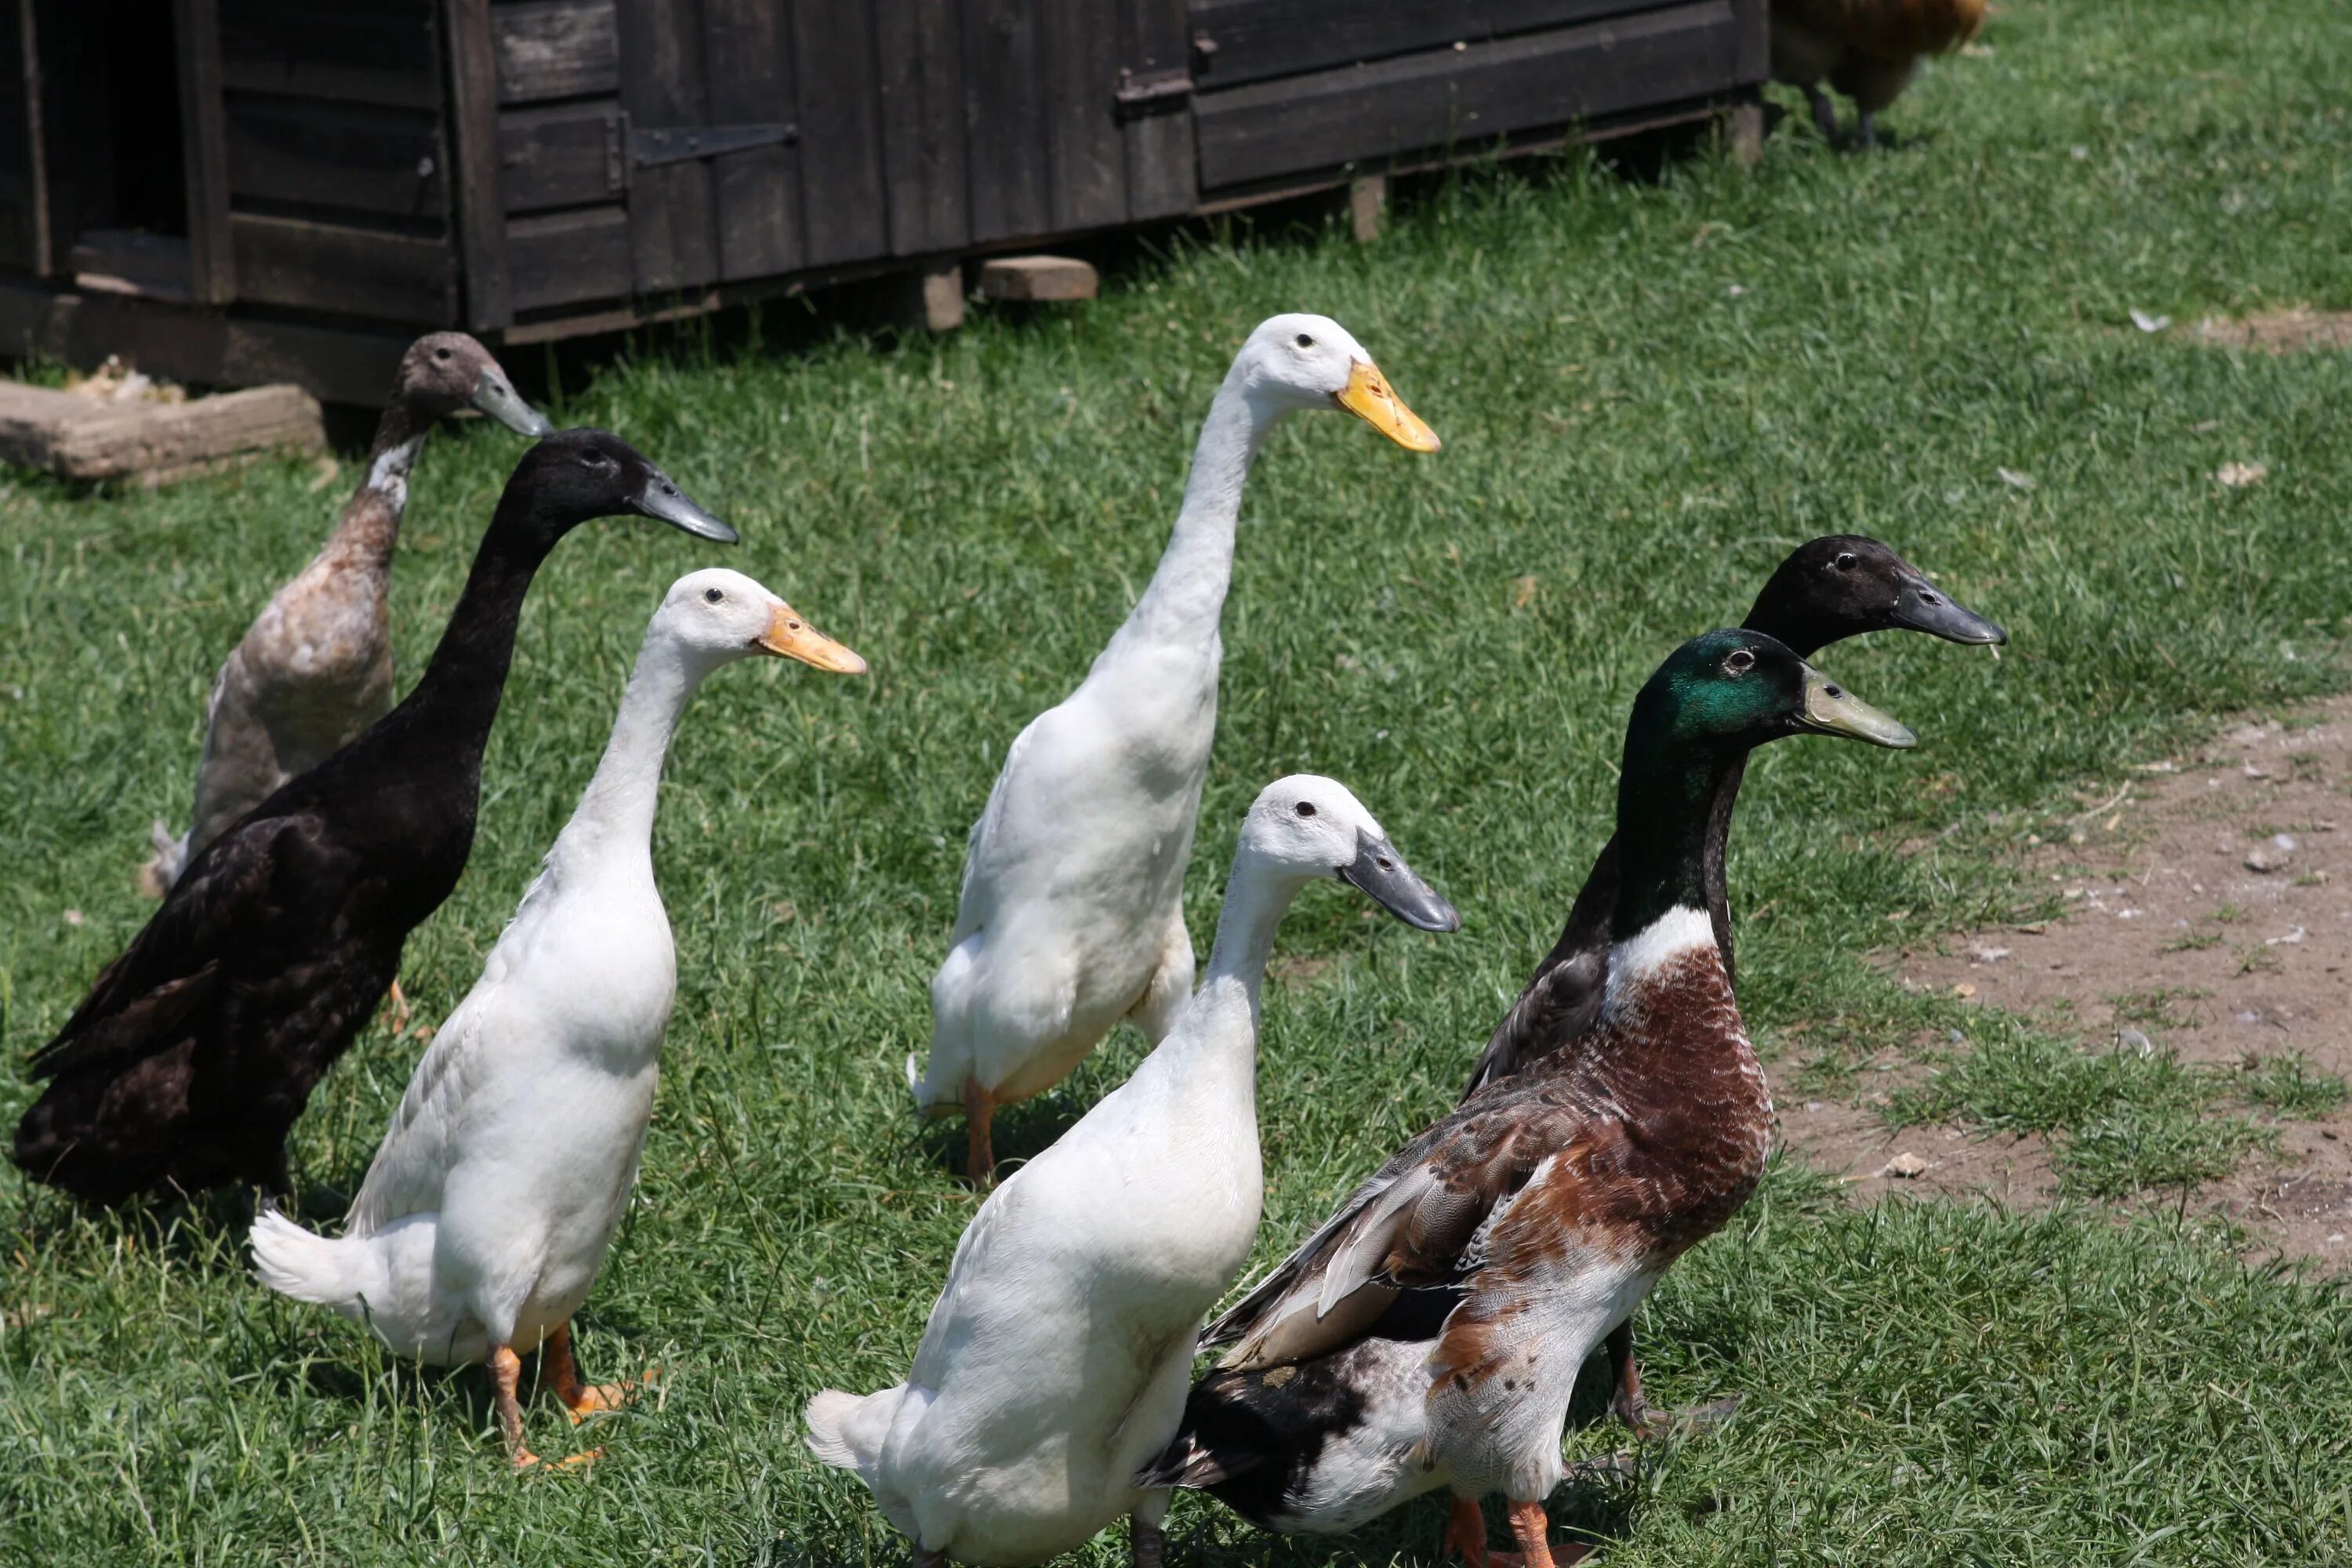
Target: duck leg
x=399, y=1018
x=1465, y=1533
x=1865, y=129
x=1627, y=1404
x=506, y=1376
x=1532, y=1528
x=561, y=1373
x=1147, y=1543
x=980, y=1154
x=1824, y=112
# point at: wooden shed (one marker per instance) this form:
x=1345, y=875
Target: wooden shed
x=237, y=190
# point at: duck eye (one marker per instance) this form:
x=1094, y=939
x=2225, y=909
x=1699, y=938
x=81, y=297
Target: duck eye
x=1305, y=808
x=1846, y=562
x=1305, y=341
x=442, y=352
x=1740, y=662
x=711, y=596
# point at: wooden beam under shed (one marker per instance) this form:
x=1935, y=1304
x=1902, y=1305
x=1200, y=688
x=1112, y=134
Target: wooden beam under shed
x=78, y=437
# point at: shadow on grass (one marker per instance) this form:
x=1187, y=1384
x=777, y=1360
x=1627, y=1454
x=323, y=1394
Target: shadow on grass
x=1019, y=1132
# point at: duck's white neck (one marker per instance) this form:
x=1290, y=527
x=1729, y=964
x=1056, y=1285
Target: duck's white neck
x=1219, y=1031
x=1188, y=591
x=616, y=810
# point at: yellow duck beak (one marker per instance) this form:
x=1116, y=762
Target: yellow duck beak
x=1368, y=398
x=792, y=636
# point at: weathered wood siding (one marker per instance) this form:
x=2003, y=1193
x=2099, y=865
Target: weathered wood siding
x=338, y=163
x=1289, y=89
x=393, y=166
x=917, y=127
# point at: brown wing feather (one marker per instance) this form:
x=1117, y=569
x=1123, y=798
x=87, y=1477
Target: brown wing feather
x=1416, y=1223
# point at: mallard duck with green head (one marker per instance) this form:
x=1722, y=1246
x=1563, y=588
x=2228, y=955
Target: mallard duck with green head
x=1430, y=1333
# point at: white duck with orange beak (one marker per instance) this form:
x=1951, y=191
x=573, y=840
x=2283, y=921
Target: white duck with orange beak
x=487, y=1213
x=1072, y=913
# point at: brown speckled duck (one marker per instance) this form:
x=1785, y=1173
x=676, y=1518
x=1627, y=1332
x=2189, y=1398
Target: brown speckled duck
x=315, y=667
x=1430, y=1333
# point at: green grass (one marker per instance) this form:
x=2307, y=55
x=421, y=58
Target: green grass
x=1648, y=392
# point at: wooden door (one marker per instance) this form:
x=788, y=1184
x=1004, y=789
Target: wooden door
x=1079, y=116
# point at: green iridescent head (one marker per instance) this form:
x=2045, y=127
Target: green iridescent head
x=1715, y=700
x=1742, y=688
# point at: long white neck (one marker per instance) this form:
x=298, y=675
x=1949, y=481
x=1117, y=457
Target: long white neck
x=1187, y=593
x=1216, y=1038
x=616, y=811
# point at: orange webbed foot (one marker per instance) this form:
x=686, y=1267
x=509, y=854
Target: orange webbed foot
x=594, y=1398
x=524, y=1459
x=581, y=1400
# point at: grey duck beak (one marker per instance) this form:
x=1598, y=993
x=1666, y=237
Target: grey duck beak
x=1831, y=709
x=494, y=397
x=662, y=500
x=1925, y=608
x=1380, y=872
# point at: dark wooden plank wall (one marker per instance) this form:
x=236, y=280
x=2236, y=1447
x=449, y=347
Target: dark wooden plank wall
x=840, y=120
x=756, y=192
x=1156, y=36
x=920, y=47
x=336, y=159
x=23, y=245
x=562, y=153
x=921, y=127
x=1250, y=40
x=1468, y=98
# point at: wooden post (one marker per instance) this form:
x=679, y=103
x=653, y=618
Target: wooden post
x=1745, y=126
x=1368, y=200
x=203, y=141
x=931, y=297
x=472, y=149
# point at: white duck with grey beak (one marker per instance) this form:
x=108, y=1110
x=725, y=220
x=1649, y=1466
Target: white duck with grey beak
x=1072, y=916
x=1057, y=1357
x=486, y=1215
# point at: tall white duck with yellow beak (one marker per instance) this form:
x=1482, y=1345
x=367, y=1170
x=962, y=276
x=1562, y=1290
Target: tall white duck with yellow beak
x=1072, y=914
x=486, y=1215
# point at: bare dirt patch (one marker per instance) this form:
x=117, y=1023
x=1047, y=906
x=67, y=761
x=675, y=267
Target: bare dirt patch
x=2280, y=332
x=1871, y=1159
x=2211, y=916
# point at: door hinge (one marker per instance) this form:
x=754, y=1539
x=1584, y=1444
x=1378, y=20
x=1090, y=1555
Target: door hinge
x=1140, y=92
x=649, y=148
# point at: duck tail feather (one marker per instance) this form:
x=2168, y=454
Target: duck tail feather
x=848, y=1430
x=308, y=1266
